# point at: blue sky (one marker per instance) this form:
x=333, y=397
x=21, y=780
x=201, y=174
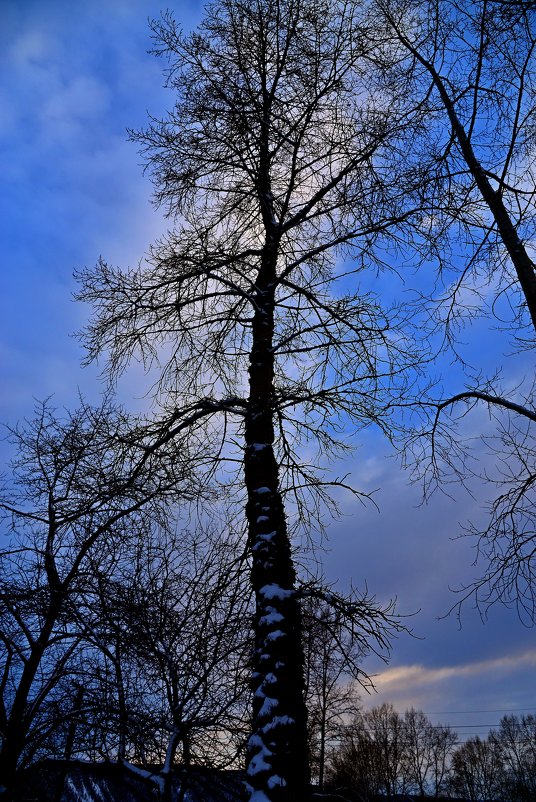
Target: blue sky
x=73, y=76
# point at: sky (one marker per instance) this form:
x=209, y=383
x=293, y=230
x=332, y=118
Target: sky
x=73, y=76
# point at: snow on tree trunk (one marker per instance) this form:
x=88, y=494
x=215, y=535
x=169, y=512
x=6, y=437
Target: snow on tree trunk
x=279, y=733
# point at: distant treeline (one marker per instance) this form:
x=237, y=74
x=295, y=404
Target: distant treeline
x=383, y=753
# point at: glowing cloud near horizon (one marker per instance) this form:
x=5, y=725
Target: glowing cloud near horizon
x=402, y=678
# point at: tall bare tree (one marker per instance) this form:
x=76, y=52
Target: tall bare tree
x=516, y=741
x=270, y=166
x=372, y=755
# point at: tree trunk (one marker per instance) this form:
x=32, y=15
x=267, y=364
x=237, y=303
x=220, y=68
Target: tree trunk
x=69, y=742
x=20, y=718
x=277, y=750
x=122, y=746
x=167, y=771
x=322, y=753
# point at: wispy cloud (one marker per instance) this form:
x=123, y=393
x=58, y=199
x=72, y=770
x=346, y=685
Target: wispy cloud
x=404, y=678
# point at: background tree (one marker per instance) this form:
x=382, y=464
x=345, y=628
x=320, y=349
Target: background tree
x=172, y=622
x=269, y=165
x=428, y=749
x=189, y=613
x=354, y=765
x=516, y=742
x=477, y=770
x=442, y=744
x=386, y=729
x=499, y=767
x=472, y=66
x=382, y=753
x=371, y=759
x=89, y=479
x=332, y=668
x=471, y=69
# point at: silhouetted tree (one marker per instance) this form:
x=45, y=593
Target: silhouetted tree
x=471, y=68
x=270, y=165
x=332, y=659
x=477, y=770
x=371, y=758
x=428, y=749
x=516, y=742
x=384, y=753
x=88, y=480
x=175, y=626
x=355, y=767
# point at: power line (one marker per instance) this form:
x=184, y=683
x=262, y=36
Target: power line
x=463, y=726
x=461, y=712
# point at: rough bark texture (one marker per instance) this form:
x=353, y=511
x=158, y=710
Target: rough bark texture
x=279, y=716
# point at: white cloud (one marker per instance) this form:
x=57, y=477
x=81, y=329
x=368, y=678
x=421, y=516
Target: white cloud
x=29, y=48
x=402, y=678
x=80, y=99
x=458, y=692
